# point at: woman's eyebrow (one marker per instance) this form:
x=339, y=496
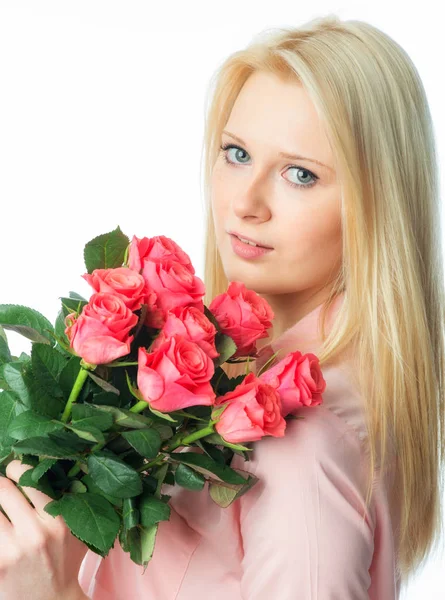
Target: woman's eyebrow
x=283, y=154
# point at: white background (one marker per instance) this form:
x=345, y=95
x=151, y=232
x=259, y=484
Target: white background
x=101, y=124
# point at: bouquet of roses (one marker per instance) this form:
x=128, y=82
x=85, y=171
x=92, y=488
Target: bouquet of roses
x=129, y=376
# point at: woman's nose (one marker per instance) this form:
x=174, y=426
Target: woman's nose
x=252, y=200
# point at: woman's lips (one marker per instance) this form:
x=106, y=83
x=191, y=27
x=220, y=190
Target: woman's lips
x=249, y=239
x=246, y=250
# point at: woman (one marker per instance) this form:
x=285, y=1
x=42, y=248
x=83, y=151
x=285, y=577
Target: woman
x=348, y=501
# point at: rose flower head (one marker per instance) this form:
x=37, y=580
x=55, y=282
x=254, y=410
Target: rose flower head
x=100, y=334
x=253, y=411
x=129, y=285
x=298, y=379
x=191, y=323
x=175, y=375
x=243, y=315
x=156, y=249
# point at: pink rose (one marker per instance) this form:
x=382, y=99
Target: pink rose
x=156, y=249
x=176, y=375
x=298, y=379
x=100, y=334
x=174, y=285
x=253, y=411
x=155, y=315
x=125, y=283
x=192, y=324
x=243, y=315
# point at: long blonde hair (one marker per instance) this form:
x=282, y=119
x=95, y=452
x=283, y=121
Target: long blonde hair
x=372, y=102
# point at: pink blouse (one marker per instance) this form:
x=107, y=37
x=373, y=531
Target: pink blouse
x=301, y=533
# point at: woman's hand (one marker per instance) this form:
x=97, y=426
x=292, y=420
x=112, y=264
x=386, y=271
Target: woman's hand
x=39, y=556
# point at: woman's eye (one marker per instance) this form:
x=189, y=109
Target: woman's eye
x=302, y=174
x=239, y=157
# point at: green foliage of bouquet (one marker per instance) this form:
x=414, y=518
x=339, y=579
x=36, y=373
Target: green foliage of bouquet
x=126, y=378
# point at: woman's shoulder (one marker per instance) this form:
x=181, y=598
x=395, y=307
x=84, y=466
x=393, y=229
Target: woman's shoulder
x=338, y=422
x=315, y=435
x=328, y=441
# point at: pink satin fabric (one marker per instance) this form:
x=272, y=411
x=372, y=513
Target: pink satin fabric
x=301, y=533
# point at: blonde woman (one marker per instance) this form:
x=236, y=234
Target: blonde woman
x=319, y=147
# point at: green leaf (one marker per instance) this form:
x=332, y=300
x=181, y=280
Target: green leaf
x=68, y=375
x=69, y=440
x=133, y=459
x=27, y=322
x=94, y=489
x=77, y=487
x=225, y=346
x=20, y=380
x=123, y=539
x=5, y=354
x=84, y=414
x=215, y=453
x=188, y=478
x=120, y=447
x=71, y=305
x=152, y=510
x=180, y=415
x=160, y=414
x=130, y=514
x=39, y=399
x=145, y=441
x=106, y=251
x=207, y=466
x=3, y=334
x=47, y=364
x=125, y=418
x=217, y=412
x=42, y=467
x=11, y=373
x=203, y=412
x=104, y=384
x=44, y=446
x=57, y=477
x=53, y=508
x=142, y=542
x=107, y=398
x=77, y=296
x=165, y=431
x=224, y=496
x=160, y=473
x=130, y=420
x=118, y=379
x=42, y=484
x=6, y=456
x=149, y=484
x=8, y=404
x=90, y=517
x=32, y=461
x=87, y=432
x=31, y=424
x=217, y=439
x=61, y=346
x=113, y=475
x=222, y=384
x=59, y=327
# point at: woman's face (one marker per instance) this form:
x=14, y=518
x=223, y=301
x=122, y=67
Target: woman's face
x=256, y=195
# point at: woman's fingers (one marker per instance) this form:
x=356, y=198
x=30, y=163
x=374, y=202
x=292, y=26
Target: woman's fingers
x=39, y=557
x=14, y=503
x=20, y=513
x=5, y=524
